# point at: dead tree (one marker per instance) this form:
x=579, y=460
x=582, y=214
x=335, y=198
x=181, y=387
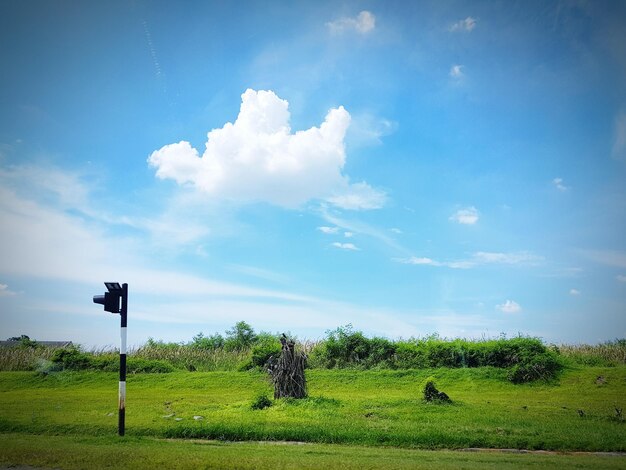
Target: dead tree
x=287, y=371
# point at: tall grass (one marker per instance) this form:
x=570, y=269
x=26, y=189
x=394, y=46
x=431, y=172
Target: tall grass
x=610, y=353
x=24, y=358
x=189, y=358
x=526, y=358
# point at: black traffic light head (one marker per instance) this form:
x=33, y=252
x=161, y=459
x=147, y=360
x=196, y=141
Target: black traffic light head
x=111, y=299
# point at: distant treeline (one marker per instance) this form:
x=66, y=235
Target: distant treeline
x=242, y=348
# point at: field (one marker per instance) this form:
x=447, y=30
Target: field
x=357, y=418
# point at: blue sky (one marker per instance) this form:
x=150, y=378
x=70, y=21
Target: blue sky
x=407, y=167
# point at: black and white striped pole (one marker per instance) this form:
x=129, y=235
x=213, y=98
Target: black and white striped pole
x=116, y=301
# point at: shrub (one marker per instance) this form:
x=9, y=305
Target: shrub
x=381, y=352
x=74, y=359
x=71, y=359
x=261, y=402
x=535, y=367
x=410, y=356
x=431, y=394
x=266, y=346
x=345, y=347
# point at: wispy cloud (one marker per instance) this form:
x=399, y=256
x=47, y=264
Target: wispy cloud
x=359, y=227
x=358, y=196
x=328, y=230
x=348, y=234
x=367, y=129
x=260, y=273
x=258, y=158
x=558, y=184
x=619, y=137
x=345, y=246
x=467, y=216
x=396, y=231
x=606, y=257
x=509, y=306
x=574, y=292
x=363, y=23
x=418, y=261
x=466, y=25
x=480, y=258
x=456, y=72
x=48, y=242
x=5, y=291
x=519, y=257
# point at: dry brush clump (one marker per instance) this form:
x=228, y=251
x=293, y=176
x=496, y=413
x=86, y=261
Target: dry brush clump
x=287, y=371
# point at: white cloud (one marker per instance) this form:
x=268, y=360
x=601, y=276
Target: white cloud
x=574, y=292
x=418, y=261
x=467, y=216
x=367, y=129
x=4, y=291
x=509, y=307
x=479, y=258
x=348, y=234
x=258, y=158
x=41, y=242
x=361, y=228
x=358, y=196
x=345, y=246
x=328, y=230
x=363, y=23
x=619, y=137
x=621, y=278
x=606, y=257
x=466, y=25
x=558, y=183
x=397, y=230
x=456, y=71
x=519, y=257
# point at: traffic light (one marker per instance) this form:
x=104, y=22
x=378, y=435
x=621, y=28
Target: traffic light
x=110, y=299
x=116, y=301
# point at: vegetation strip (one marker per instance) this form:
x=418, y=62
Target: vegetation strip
x=467, y=449
x=577, y=412
x=79, y=452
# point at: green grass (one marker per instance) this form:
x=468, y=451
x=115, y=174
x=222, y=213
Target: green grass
x=372, y=408
x=80, y=452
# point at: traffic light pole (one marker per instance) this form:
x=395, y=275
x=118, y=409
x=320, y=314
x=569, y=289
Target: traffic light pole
x=122, y=390
x=111, y=302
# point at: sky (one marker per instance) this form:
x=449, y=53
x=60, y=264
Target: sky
x=409, y=168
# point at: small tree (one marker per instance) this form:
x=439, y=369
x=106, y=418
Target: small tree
x=287, y=371
x=209, y=343
x=240, y=336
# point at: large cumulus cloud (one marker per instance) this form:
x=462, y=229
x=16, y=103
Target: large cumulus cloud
x=258, y=158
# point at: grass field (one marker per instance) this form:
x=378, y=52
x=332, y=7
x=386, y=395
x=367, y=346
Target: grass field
x=352, y=419
x=88, y=452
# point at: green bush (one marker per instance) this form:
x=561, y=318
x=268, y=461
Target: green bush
x=543, y=366
x=261, y=402
x=266, y=346
x=345, y=347
x=410, y=356
x=74, y=359
x=71, y=359
x=431, y=394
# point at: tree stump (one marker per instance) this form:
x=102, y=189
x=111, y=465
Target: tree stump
x=287, y=371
